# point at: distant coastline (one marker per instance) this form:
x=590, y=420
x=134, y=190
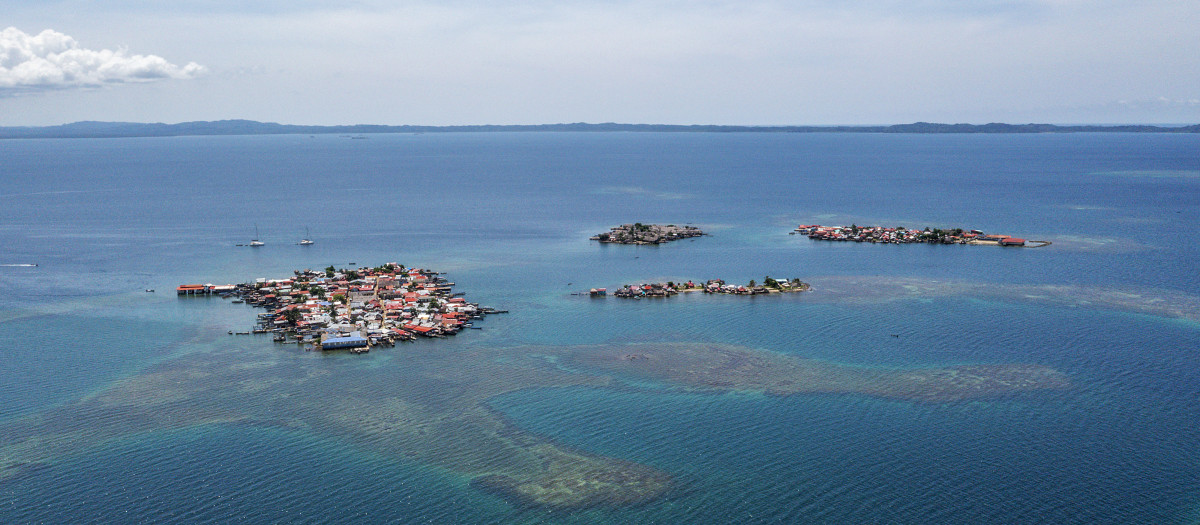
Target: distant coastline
x=92, y=129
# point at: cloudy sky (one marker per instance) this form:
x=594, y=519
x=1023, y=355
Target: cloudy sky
x=769, y=62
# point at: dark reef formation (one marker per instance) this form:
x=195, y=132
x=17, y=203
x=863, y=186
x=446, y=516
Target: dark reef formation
x=434, y=409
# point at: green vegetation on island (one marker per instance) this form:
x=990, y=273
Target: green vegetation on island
x=638, y=233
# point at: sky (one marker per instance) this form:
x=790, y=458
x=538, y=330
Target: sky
x=748, y=62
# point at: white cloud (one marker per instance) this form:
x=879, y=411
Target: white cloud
x=51, y=60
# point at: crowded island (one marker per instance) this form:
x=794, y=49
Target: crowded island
x=351, y=309
x=902, y=235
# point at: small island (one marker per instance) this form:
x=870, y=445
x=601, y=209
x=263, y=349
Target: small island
x=638, y=233
x=714, y=286
x=902, y=235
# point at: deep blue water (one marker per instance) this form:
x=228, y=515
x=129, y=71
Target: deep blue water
x=507, y=215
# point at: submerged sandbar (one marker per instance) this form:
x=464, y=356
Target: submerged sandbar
x=718, y=367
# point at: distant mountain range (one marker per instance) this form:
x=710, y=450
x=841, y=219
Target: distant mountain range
x=250, y=127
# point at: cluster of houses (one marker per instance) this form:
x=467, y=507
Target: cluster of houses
x=354, y=309
x=667, y=289
x=638, y=233
x=768, y=285
x=637, y=291
x=902, y=235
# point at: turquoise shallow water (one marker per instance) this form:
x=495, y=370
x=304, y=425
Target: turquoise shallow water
x=508, y=216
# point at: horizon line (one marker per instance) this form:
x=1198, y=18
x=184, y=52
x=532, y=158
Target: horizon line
x=609, y=122
x=116, y=129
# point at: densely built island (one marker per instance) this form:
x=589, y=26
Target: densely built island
x=902, y=235
x=352, y=309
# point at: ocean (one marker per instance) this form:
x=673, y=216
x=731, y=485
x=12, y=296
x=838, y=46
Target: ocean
x=845, y=404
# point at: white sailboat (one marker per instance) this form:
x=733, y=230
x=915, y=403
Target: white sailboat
x=255, y=242
x=305, y=241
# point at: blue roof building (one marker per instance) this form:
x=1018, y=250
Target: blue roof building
x=354, y=340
